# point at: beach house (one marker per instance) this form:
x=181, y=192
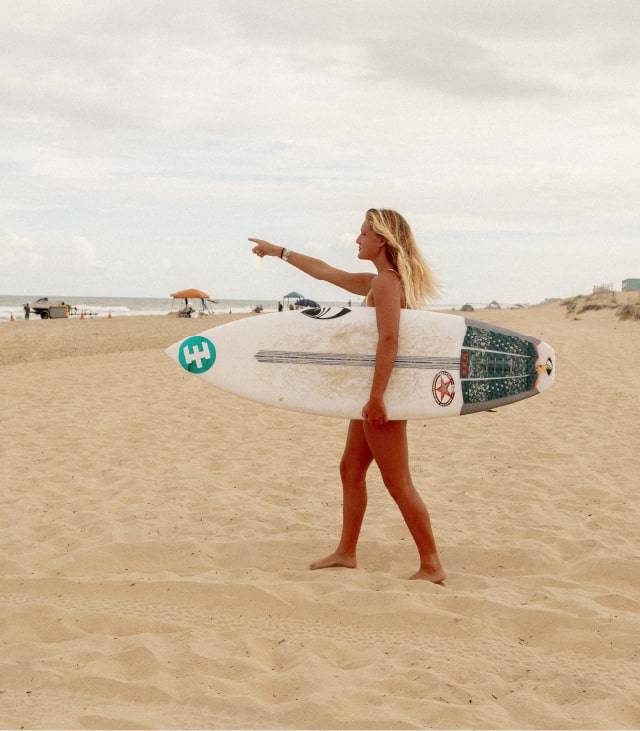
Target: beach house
x=631, y=285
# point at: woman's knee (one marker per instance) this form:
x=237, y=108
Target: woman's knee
x=399, y=489
x=352, y=474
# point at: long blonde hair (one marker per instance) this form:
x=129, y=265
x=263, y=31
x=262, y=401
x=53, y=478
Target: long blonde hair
x=418, y=282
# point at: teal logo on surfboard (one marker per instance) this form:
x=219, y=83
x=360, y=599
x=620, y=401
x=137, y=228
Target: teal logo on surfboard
x=197, y=354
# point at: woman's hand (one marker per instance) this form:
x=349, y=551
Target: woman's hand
x=374, y=411
x=264, y=248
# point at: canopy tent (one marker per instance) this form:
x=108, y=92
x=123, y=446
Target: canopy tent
x=292, y=296
x=194, y=294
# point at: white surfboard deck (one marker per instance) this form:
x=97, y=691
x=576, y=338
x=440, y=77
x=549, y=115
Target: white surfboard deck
x=321, y=361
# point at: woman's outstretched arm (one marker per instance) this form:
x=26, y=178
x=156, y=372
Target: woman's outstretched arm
x=358, y=283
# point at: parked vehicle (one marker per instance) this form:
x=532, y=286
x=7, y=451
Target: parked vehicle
x=53, y=310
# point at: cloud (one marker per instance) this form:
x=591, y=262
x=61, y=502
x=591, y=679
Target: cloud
x=318, y=247
x=622, y=52
x=18, y=252
x=83, y=251
x=453, y=65
x=257, y=262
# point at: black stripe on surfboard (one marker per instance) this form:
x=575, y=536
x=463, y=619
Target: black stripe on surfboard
x=353, y=359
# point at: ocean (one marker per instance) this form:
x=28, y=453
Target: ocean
x=13, y=305
x=127, y=306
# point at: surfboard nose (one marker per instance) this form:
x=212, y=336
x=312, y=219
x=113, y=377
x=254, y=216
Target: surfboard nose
x=545, y=366
x=172, y=351
x=196, y=354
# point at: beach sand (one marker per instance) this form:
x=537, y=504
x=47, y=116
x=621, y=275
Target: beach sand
x=156, y=535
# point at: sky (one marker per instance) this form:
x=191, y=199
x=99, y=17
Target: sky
x=142, y=143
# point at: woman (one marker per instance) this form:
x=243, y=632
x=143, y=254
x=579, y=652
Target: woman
x=403, y=281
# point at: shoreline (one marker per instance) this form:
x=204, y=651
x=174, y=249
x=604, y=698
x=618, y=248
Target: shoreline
x=218, y=313
x=11, y=306
x=118, y=308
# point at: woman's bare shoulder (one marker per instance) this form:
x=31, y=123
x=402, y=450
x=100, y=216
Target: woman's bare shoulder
x=386, y=286
x=387, y=278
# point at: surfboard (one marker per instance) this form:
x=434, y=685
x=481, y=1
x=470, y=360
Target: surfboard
x=321, y=360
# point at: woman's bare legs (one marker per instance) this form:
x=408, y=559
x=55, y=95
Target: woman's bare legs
x=388, y=444
x=353, y=469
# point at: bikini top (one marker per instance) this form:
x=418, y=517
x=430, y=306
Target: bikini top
x=366, y=299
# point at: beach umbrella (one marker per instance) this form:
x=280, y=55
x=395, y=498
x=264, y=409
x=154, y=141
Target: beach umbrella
x=196, y=294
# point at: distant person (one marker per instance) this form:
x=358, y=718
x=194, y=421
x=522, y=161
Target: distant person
x=27, y=311
x=403, y=280
x=279, y=306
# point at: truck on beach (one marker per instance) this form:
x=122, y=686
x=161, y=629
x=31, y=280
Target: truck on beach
x=51, y=310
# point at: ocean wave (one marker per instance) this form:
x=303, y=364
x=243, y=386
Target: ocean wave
x=102, y=311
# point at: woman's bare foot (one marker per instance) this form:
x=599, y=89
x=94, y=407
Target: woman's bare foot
x=435, y=575
x=346, y=560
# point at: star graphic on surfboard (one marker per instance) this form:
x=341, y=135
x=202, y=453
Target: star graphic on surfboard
x=443, y=388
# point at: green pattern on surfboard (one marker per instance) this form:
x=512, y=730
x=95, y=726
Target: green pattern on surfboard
x=496, y=365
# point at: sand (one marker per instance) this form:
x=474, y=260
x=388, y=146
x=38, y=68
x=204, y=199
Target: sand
x=156, y=534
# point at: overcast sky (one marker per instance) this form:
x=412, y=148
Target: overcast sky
x=142, y=142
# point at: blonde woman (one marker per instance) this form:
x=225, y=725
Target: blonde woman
x=403, y=280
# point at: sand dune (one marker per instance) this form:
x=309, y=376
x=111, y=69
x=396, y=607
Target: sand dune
x=156, y=534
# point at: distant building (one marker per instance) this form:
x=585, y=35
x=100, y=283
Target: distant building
x=602, y=288
x=631, y=285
